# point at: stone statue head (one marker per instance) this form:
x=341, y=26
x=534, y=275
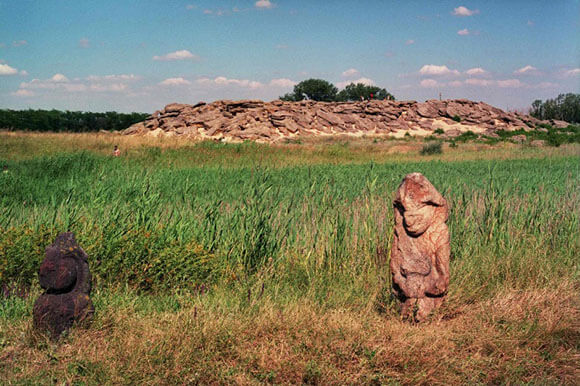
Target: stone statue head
x=418, y=204
x=65, y=267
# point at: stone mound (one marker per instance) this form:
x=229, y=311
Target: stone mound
x=277, y=120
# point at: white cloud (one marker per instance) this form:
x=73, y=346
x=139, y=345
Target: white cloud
x=455, y=83
x=526, y=70
x=223, y=81
x=432, y=69
x=23, y=93
x=476, y=71
x=7, y=70
x=479, y=82
x=19, y=43
x=59, y=78
x=429, y=83
x=264, y=4
x=409, y=42
x=92, y=83
x=84, y=43
x=572, y=72
x=367, y=81
x=120, y=77
x=23, y=72
x=175, y=82
x=463, y=32
x=177, y=55
x=350, y=72
x=463, y=11
x=510, y=83
x=282, y=82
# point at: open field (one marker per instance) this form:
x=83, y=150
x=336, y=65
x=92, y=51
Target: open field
x=252, y=263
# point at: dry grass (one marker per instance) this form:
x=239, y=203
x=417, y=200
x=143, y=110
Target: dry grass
x=517, y=337
x=315, y=150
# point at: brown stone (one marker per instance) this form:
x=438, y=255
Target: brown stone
x=224, y=119
x=420, y=254
x=65, y=277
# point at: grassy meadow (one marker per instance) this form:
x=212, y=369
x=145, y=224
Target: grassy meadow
x=246, y=263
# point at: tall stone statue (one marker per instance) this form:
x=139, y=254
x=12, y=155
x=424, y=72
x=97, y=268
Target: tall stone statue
x=64, y=274
x=420, y=254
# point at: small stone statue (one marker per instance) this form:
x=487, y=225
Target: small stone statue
x=64, y=274
x=420, y=254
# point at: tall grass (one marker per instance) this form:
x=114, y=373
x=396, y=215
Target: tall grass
x=161, y=227
x=220, y=272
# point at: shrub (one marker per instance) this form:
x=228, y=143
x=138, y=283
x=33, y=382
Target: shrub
x=456, y=118
x=439, y=131
x=431, y=148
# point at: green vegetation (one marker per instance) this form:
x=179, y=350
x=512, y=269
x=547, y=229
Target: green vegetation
x=238, y=263
x=432, y=148
x=68, y=121
x=322, y=90
x=456, y=118
x=358, y=91
x=565, y=107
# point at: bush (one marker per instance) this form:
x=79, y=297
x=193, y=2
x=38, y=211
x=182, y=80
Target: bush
x=439, y=131
x=432, y=148
x=456, y=118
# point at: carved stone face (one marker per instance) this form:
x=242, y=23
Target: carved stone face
x=58, y=274
x=417, y=221
x=418, y=201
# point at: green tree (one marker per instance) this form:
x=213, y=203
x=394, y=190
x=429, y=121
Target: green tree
x=315, y=89
x=356, y=91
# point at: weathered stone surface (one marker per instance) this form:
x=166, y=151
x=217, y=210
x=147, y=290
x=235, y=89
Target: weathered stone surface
x=420, y=254
x=65, y=277
x=280, y=119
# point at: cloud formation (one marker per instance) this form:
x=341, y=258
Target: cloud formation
x=409, y=42
x=282, y=83
x=350, y=72
x=464, y=11
x=264, y=4
x=223, y=81
x=572, y=72
x=175, y=82
x=19, y=43
x=7, y=70
x=429, y=83
x=432, y=69
x=526, y=70
x=177, y=55
x=476, y=71
x=367, y=81
x=463, y=32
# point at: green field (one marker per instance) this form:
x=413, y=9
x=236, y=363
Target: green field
x=250, y=263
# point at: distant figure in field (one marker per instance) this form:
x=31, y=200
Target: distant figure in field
x=116, y=151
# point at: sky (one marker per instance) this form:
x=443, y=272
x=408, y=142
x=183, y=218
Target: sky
x=130, y=55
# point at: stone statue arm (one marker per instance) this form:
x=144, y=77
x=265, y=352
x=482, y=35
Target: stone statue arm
x=441, y=267
x=395, y=265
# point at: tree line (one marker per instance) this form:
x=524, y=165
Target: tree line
x=322, y=90
x=69, y=121
x=565, y=107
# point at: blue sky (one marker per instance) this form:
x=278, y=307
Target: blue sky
x=130, y=55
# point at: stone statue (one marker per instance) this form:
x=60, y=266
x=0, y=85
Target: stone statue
x=420, y=254
x=64, y=274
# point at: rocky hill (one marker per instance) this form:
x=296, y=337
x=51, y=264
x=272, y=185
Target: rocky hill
x=272, y=121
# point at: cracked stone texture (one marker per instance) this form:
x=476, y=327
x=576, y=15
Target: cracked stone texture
x=260, y=121
x=65, y=277
x=420, y=254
